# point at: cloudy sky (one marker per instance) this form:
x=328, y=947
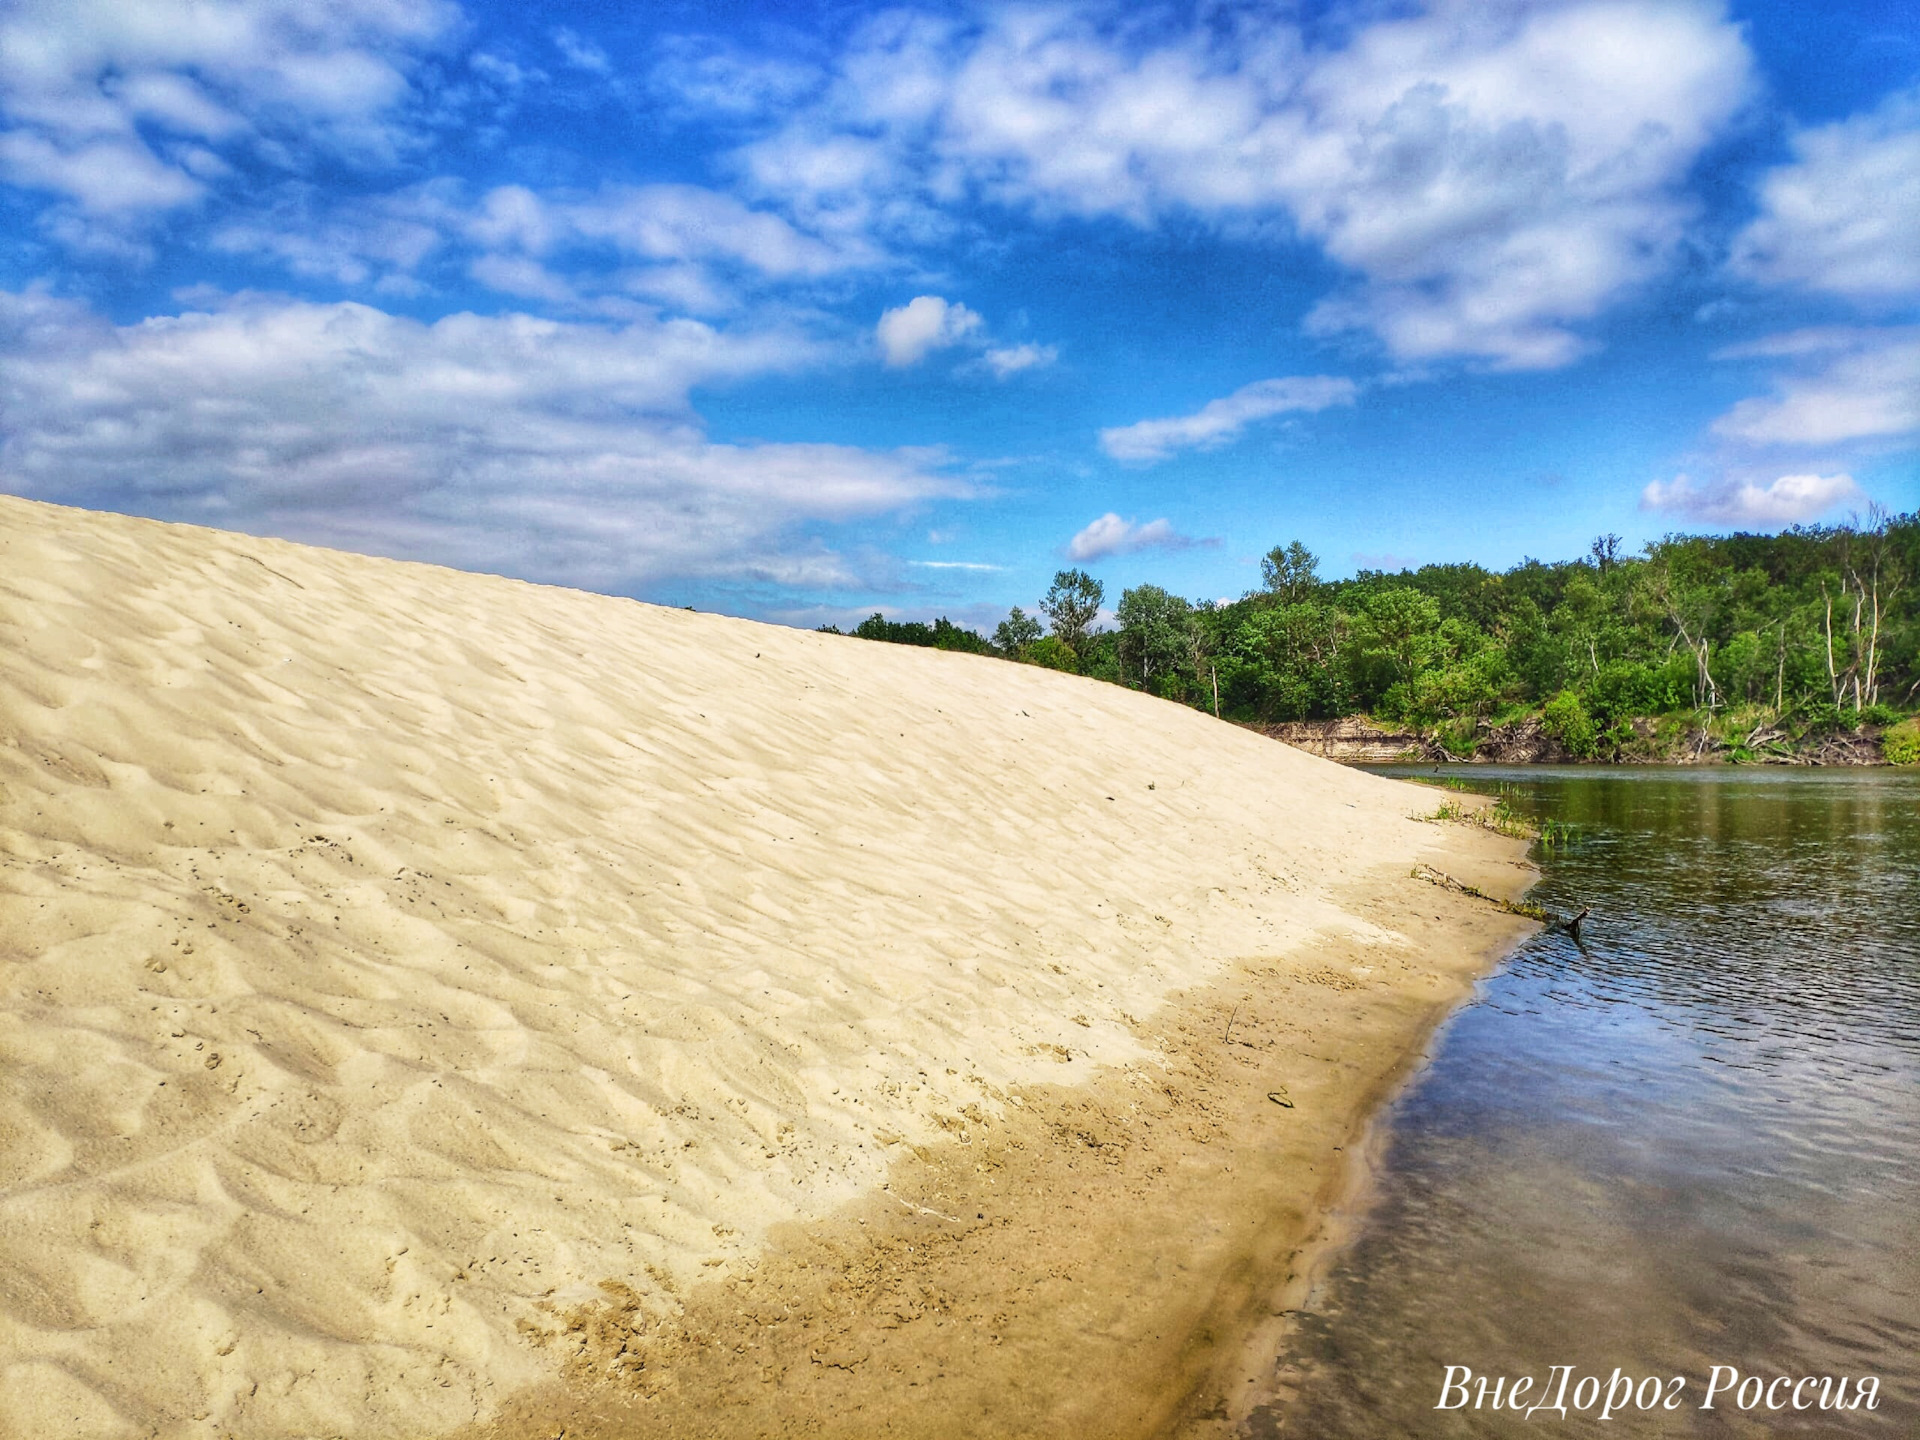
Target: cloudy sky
x=800, y=311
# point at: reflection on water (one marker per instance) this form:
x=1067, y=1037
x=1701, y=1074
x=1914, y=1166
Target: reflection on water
x=1695, y=1144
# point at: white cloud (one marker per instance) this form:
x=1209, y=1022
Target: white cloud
x=105, y=176
x=705, y=75
x=1012, y=359
x=1848, y=385
x=1491, y=175
x=693, y=245
x=690, y=223
x=682, y=244
x=1110, y=535
x=909, y=333
x=378, y=240
x=1844, y=217
x=518, y=275
x=512, y=217
x=97, y=94
x=581, y=53
x=926, y=323
x=1840, y=395
x=1786, y=500
x=1499, y=174
x=1220, y=421
x=555, y=451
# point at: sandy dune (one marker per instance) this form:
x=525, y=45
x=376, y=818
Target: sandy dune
x=390, y=955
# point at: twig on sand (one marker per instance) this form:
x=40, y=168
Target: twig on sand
x=1230, y=1019
x=1565, y=925
x=938, y=1215
x=1447, y=882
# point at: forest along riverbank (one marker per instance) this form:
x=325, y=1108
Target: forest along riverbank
x=1690, y=1142
x=1802, y=647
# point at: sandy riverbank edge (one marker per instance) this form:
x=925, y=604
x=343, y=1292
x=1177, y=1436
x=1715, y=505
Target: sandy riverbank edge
x=1119, y=1258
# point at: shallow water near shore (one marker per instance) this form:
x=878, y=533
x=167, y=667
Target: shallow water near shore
x=1693, y=1142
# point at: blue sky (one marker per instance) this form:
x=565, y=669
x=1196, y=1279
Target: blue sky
x=802, y=311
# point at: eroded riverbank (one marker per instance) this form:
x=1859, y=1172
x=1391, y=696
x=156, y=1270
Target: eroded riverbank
x=1758, y=739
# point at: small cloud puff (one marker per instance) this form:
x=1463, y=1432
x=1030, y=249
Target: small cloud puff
x=909, y=333
x=1012, y=359
x=1110, y=535
x=581, y=53
x=1787, y=500
x=1219, y=421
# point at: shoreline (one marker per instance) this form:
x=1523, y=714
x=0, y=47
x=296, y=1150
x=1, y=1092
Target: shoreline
x=1109, y=1246
x=1258, y=1379
x=1253, y=1378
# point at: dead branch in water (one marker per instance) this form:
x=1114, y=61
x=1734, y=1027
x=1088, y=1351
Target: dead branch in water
x=1460, y=887
x=1569, y=926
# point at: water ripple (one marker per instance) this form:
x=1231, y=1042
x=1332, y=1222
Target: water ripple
x=1693, y=1140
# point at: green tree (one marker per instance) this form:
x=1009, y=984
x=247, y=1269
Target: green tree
x=1566, y=719
x=942, y=634
x=1071, y=604
x=1460, y=674
x=1687, y=582
x=1808, y=630
x=1393, y=638
x=1290, y=572
x=1157, y=635
x=1051, y=652
x=1016, y=632
x=1285, y=661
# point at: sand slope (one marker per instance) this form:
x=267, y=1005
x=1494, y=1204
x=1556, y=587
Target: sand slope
x=386, y=951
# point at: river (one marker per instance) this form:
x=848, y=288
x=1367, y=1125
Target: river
x=1692, y=1142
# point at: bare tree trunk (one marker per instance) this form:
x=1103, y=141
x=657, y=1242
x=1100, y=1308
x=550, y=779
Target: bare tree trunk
x=1780, y=675
x=1853, y=656
x=1877, y=551
x=1833, y=680
x=1214, y=671
x=1873, y=651
x=1873, y=644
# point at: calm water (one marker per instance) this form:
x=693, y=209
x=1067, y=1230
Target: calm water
x=1696, y=1143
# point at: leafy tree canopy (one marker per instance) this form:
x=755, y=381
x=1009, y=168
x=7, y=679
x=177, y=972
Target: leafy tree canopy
x=1820, y=623
x=1071, y=605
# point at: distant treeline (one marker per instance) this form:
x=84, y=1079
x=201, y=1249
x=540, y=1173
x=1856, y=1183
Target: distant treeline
x=1820, y=625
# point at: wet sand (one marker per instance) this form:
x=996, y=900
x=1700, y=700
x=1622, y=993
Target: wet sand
x=435, y=1004
x=1114, y=1259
